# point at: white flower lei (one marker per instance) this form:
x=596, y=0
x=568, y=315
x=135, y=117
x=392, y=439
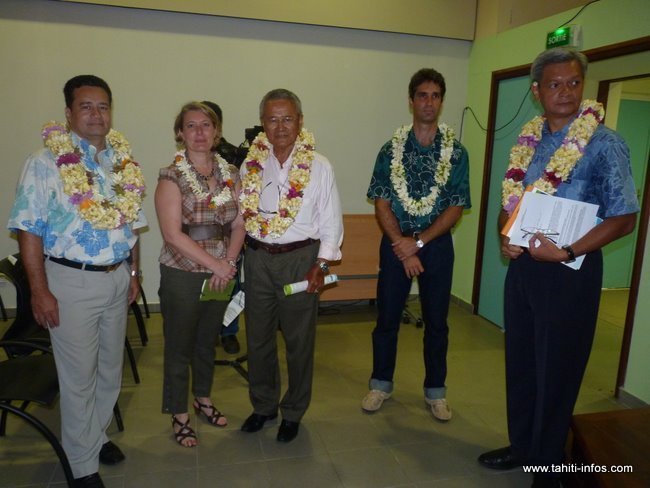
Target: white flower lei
x=224, y=196
x=423, y=206
x=79, y=183
x=291, y=199
x=561, y=163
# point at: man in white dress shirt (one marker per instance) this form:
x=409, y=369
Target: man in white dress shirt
x=294, y=228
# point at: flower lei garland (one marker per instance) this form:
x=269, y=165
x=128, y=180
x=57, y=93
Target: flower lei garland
x=214, y=201
x=102, y=212
x=423, y=206
x=561, y=163
x=290, y=201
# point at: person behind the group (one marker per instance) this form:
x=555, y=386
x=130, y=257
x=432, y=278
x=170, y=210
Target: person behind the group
x=420, y=185
x=78, y=205
x=294, y=229
x=203, y=232
x=233, y=155
x=550, y=309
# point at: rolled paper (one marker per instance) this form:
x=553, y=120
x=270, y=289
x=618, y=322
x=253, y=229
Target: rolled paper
x=301, y=286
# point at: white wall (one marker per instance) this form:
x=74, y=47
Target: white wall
x=353, y=85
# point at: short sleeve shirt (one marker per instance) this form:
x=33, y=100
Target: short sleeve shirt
x=420, y=164
x=42, y=208
x=195, y=211
x=602, y=176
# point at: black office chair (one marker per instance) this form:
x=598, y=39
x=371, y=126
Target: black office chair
x=24, y=327
x=26, y=379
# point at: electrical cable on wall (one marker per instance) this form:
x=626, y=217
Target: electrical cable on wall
x=484, y=129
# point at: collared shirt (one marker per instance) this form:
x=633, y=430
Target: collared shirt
x=320, y=214
x=420, y=165
x=602, y=176
x=195, y=211
x=42, y=208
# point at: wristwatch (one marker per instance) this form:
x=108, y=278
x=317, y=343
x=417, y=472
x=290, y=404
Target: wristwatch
x=323, y=266
x=136, y=273
x=569, y=251
x=418, y=242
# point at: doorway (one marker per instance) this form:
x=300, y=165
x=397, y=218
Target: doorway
x=611, y=62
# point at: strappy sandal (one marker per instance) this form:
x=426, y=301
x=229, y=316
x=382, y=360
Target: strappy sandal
x=211, y=414
x=185, y=431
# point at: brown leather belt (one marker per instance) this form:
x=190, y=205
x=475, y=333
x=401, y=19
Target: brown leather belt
x=278, y=248
x=202, y=232
x=83, y=266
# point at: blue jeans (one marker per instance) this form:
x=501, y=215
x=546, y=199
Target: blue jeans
x=393, y=288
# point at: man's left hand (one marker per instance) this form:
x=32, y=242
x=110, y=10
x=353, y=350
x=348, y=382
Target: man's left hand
x=316, y=278
x=405, y=247
x=542, y=249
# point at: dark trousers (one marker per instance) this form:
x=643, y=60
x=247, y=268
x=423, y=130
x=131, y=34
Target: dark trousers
x=267, y=311
x=191, y=328
x=550, y=319
x=392, y=291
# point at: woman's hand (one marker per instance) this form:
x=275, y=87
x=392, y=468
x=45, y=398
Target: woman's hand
x=224, y=270
x=217, y=283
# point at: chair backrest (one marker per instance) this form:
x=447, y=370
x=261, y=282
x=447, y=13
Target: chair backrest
x=28, y=378
x=24, y=326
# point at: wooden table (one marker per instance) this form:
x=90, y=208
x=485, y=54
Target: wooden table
x=614, y=438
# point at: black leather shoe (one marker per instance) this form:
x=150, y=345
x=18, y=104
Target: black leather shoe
x=110, y=454
x=230, y=344
x=288, y=431
x=256, y=421
x=90, y=481
x=499, y=459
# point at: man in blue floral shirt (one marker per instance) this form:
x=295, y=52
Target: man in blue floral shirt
x=550, y=309
x=420, y=186
x=78, y=203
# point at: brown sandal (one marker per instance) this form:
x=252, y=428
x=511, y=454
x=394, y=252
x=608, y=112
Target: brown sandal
x=185, y=431
x=211, y=414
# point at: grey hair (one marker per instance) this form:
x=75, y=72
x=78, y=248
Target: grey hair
x=554, y=56
x=281, y=94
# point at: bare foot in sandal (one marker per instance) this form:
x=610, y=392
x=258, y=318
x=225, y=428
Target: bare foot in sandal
x=183, y=433
x=203, y=405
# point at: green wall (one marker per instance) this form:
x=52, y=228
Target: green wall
x=518, y=47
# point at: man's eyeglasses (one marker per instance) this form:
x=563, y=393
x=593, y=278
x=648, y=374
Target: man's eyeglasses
x=269, y=212
x=550, y=234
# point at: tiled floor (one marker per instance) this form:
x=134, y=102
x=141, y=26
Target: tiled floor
x=338, y=445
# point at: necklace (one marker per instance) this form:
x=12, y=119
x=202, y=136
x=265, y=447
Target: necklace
x=290, y=200
x=102, y=211
x=561, y=163
x=422, y=206
x=190, y=174
x=200, y=175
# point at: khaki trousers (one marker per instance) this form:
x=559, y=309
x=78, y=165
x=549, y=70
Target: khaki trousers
x=88, y=348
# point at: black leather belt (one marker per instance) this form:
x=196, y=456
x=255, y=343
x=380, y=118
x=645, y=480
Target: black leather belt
x=278, y=248
x=410, y=232
x=83, y=266
x=202, y=232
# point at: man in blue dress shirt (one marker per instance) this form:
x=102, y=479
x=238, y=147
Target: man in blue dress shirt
x=551, y=309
